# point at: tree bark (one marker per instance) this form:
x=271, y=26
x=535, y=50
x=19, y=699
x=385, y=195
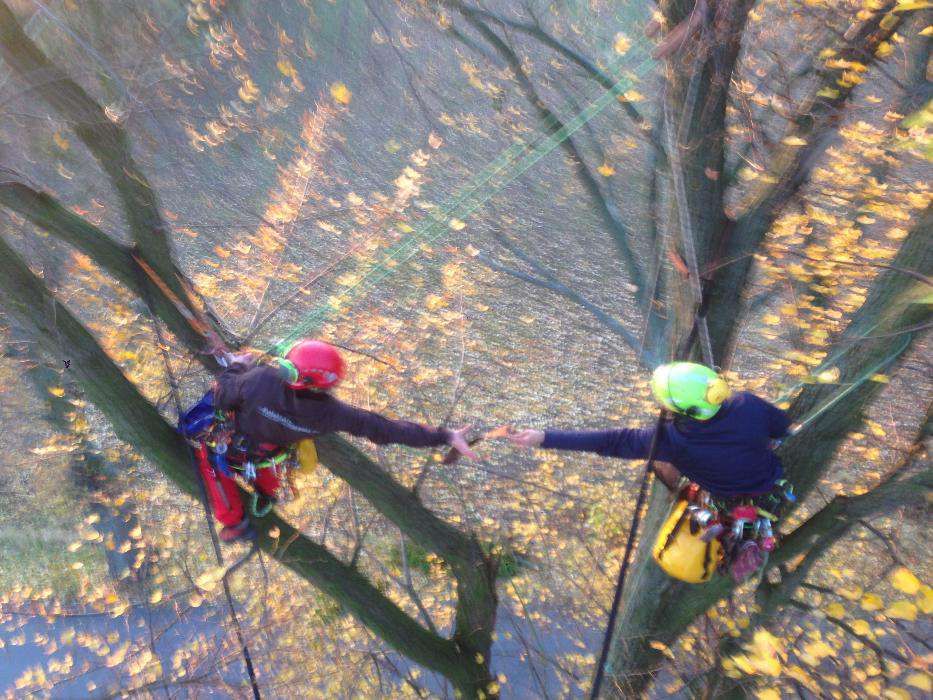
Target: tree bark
x=657, y=608
x=42, y=210
x=105, y=139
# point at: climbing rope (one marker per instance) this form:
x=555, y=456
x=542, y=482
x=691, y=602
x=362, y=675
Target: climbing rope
x=626, y=557
x=637, y=516
x=205, y=501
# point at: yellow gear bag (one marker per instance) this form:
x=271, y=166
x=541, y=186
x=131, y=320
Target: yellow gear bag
x=680, y=551
x=307, y=456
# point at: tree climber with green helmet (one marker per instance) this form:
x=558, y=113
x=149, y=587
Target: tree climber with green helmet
x=719, y=440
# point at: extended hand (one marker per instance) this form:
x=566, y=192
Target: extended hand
x=527, y=438
x=458, y=441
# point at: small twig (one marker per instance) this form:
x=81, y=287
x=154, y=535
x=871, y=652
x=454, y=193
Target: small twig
x=886, y=540
x=410, y=586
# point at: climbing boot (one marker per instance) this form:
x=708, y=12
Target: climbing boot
x=241, y=531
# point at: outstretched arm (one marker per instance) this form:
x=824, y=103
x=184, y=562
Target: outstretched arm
x=382, y=431
x=625, y=443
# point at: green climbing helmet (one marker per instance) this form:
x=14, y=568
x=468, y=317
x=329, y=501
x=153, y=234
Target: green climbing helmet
x=689, y=388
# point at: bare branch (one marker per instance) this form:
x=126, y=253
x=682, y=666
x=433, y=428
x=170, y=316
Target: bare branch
x=621, y=234
x=563, y=290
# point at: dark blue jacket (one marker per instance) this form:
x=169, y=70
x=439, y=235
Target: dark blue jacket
x=267, y=411
x=728, y=455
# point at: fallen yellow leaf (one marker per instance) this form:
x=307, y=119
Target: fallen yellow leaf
x=902, y=610
x=904, y=581
x=341, y=93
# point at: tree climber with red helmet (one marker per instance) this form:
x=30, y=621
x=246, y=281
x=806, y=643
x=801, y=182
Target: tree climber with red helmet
x=719, y=441
x=260, y=411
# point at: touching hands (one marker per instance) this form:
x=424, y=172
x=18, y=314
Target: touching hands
x=528, y=438
x=458, y=440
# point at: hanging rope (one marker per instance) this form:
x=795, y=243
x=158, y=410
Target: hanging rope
x=626, y=557
x=205, y=500
x=637, y=516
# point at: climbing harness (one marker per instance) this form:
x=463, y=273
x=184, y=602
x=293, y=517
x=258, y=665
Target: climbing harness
x=233, y=454
x=734, y=535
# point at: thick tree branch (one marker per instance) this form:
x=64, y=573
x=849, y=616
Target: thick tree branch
x=894, y=303
x=474, y=571
x=109, y=144
x=657, y=608
x=44, y=211
x=790, y=166
x=135, y=421
x=600, y=76
x=476, y=604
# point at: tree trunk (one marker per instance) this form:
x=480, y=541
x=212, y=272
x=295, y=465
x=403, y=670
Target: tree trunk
x=657, y=608
x=789, y=167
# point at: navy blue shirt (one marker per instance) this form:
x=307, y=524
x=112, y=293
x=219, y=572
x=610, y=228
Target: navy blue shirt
x=728, y=455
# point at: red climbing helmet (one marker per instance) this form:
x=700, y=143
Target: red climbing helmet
x=312, y=364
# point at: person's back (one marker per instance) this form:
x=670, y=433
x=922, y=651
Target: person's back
x=258, y=412
x=268, y=410
x=729, y=454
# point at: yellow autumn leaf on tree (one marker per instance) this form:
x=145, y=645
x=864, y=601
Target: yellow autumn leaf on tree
x=902, y=610
x=907, y=5
x=285, y=67
x=871, y=602
x=828, y=376
x=761, y=655
x=606, y=170
x=433, y=302
x=210, y=578
x=768, y=694
x=818, y=650
x=896, y=694
x=903, y=580
x=341, y=93
x=457, y=224
x=621, y=44
x=793, y=141
x=925, y=600
x=56, y=391
x=835, y=610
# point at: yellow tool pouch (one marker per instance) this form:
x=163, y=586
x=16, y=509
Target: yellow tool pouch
x=307, y=456
x=680, y=551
